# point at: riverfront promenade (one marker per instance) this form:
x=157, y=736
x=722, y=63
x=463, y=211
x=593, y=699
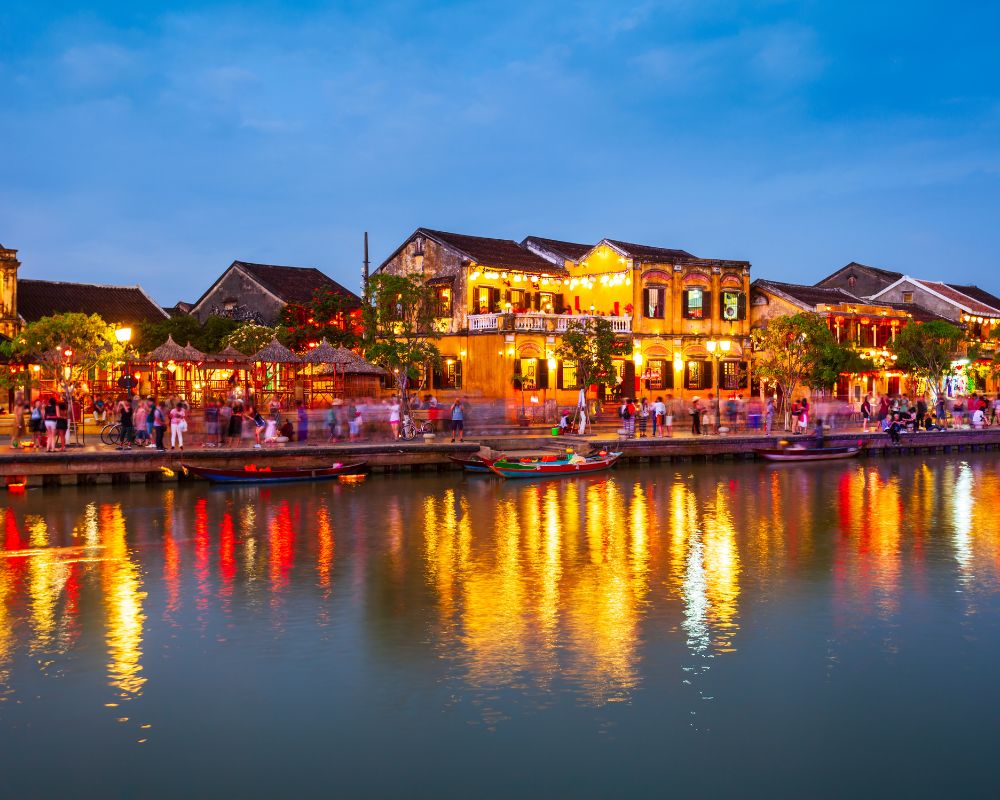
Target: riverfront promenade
x=96, y=464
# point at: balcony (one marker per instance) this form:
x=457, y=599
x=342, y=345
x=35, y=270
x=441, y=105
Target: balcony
x=541, y=323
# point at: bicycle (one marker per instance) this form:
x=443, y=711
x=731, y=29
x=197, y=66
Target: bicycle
x=111, y=434
x=410, y=429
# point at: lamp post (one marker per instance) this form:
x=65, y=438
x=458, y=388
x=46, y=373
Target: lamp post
x=124, y=336
x=717, y=349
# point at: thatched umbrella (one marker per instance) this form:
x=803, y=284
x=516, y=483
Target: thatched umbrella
x=275, y=354
x=230, y=353
x=323, y=353
x=168, y=351
x=193, y=354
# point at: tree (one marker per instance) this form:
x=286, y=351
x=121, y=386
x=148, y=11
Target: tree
x=250, y=337
x=400, y=325
x=927, y=350
x=68, y=346
x=327, y=315
x=800, y=350
x=591, y=344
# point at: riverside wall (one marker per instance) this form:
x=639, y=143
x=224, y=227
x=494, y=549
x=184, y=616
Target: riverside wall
x=89, y=466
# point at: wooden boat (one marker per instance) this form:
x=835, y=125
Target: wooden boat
x=808, y=453
x=251, y=473
x=541, y=468
x=473, y=464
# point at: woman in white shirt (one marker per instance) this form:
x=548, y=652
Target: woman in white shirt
x=394, y=418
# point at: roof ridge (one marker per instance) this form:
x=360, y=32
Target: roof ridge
x=134, y=286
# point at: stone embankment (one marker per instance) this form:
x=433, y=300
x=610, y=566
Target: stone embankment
x=89, y=466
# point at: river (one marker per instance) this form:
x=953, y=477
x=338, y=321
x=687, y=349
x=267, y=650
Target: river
x=715, y=630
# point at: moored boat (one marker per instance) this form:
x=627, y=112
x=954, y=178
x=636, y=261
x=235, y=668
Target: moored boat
x=473, y=464
x=542, y=468
x=808, y=453
x=251, y=473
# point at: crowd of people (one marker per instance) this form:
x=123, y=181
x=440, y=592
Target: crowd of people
x=230, y=421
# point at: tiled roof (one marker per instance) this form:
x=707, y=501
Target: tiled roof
x=976, y=293
x=495, y=253
x=959, y=298
x=573, y=251
x=645, y=252
x=115, y=304
x=294, y=284
x=810, y=296
x=885, y=274
x=919, y=313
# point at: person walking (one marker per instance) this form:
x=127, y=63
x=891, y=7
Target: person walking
x=669, y=406
x=178, y=424
x=139, y=414
x=225, y=420
x=394, y=417
x=259, y=425
x=17, y=421
x=235, y=432
x=302, y=422
x=769, y=415
x=51, y=416
x=354, y=422
x=866, y=412
x=127, y=424
x=62, y=424
x=160, y=417
x=36, y=424
x=695, y=412
x=659, y=412
x=643, y=417
x=211, y=421
x=458, y=420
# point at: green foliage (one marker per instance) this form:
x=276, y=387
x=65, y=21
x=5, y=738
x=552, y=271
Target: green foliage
x=927, y=350
x=185, y=328
x=75, y=341
x=327, y=315
x=250, y=337
x=399, y=326
x=799, y=350
x=591, y=344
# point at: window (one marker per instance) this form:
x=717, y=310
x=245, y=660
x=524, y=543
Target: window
x=567, y=371
x=448, y=375
x=659, y=374
x=907, y=297
x=517, y=300
x=729, y=375
x=698, y=375
x=734, y=306
x=654, y=302
x=486, y=300
x=528, y=372
x=695, y=303
x=444, y=303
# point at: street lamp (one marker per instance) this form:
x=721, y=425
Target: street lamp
x=124, y=336
x=717, y=350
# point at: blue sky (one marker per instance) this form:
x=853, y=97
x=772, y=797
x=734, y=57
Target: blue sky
x=156, y=142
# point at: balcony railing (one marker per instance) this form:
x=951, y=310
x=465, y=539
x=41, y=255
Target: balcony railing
x=550, y=323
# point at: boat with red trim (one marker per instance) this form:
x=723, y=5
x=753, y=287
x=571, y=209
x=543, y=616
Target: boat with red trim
x=554, y=468
x=251, y=473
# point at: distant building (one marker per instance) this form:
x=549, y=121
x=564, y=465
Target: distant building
x=258, y=292
x=116, y=305
x=867, y=326
x=9, y=264
x=860, y=280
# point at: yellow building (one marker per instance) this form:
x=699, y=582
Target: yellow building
x=9, y=323
x=504, y=306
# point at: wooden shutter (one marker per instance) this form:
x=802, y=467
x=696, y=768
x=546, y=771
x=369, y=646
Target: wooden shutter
x=741, y=307
x=743, y=375
x=542, y=374
x=668, y=374
x=559, y=376
x=557, y=304
x=706, y=375
x=706, y=305
x=458, y=374
x=686, y=314
x=628, y=379
x=538, y=301
x=645, y=302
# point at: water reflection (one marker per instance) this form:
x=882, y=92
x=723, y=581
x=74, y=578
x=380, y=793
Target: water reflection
x=539, y=590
